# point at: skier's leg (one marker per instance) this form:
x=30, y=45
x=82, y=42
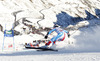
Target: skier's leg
x=54, y=39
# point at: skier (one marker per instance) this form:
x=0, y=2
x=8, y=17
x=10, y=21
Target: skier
x=61, y=35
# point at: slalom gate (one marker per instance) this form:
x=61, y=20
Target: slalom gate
x=8, y=40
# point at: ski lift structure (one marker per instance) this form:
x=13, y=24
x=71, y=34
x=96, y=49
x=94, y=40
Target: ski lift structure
x=8, y=33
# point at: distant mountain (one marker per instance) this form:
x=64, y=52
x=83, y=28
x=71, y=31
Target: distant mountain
x=61, y=12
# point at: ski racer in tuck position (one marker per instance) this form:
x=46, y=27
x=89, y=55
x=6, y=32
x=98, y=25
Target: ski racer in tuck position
x=61, y=35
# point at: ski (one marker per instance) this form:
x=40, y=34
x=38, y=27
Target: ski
x=41, y=49
x=47, y=50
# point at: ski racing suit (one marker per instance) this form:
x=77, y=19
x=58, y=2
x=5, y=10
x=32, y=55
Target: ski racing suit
x=61, y=34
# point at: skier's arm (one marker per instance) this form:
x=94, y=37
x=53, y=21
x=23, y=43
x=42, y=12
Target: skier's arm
x=49, y=33
x=67, y=33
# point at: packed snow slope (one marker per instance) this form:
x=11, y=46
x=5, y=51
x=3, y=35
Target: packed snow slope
x=61, y=12
x=84, y=39
x=83, y=45
x=84, y=48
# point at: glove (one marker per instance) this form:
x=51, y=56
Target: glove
x=46, y=37
x=68, y=35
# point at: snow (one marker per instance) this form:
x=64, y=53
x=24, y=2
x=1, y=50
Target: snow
x=83, y=45
x=51, y=56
